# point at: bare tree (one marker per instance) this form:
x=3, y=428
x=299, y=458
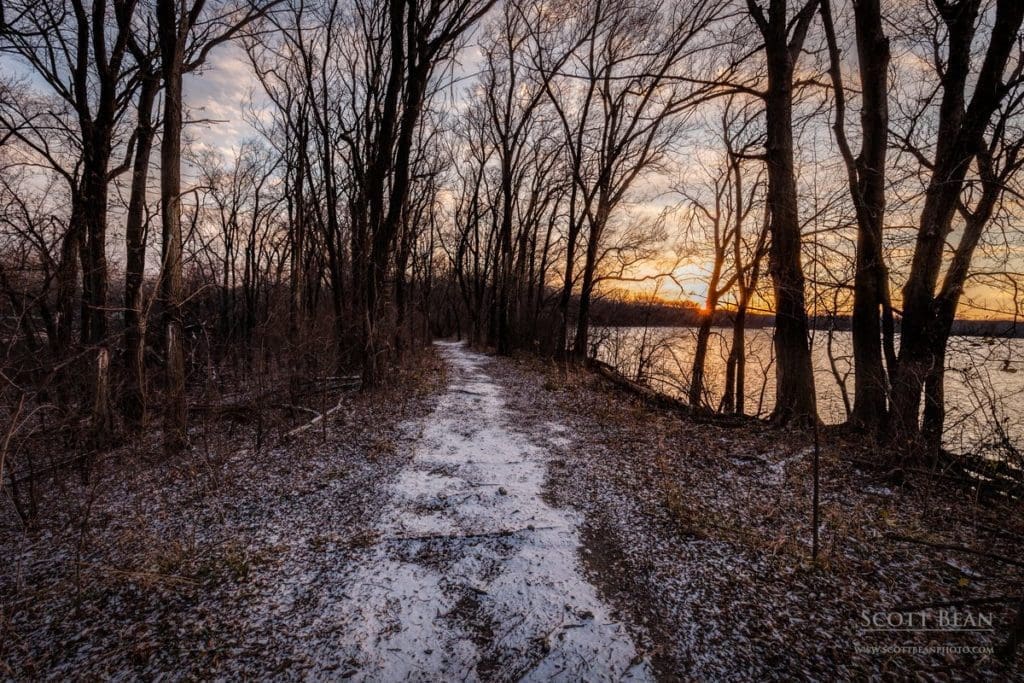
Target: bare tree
x=134, y=395
x=972, y=132
x=188, y=31
x=513, y=99
x=784, y=37
x=719, y=216
x=81, y=53
x=742, y=135
x=620, y=98
x=411, y=41
x=872, y=321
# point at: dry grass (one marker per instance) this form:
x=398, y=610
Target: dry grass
x=159, y=565
x=702, y=534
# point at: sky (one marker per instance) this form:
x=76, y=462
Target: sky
x=223, y=93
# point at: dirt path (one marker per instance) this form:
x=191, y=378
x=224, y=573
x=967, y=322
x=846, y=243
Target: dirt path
x=471, y=575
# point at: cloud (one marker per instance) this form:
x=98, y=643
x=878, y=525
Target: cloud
x=220, y=95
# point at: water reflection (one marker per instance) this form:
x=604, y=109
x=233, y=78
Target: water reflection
x=984, y=378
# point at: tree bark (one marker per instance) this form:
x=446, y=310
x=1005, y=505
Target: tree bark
x=102, y=426
x=587, y=288
x=866, y=175
x=172, y=55
x=700, y=353
x=734, y=396
x=134, y=400
x=794, y=386
x=94, y=261
x=67, y=276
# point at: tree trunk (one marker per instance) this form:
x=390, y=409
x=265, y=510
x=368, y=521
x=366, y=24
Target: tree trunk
x=699, y=355
x=94, y=261
x=102, y=426
x=561, y=345
x=67, y=276
x=579, y=349
x=383, y=220
x=704, y=331
x=871, y=279
x=794, y=387
x=171, y=285
x=296, y=324
x=960, y=137
x=134, y=399
x=734, y=398
x=504, y=265
x=589, y=273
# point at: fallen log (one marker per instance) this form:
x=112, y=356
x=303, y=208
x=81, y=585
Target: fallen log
x=956, y=548
x=316, y=420
x=660, y=400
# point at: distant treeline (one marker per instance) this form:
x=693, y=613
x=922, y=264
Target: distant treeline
x=619, y=312
x=615, y=311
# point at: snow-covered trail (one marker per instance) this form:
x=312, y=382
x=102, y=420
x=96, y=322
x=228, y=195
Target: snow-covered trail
x=472, y=576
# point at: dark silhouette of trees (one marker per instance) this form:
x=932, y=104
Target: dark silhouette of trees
x=873, y=326
x=973, y=147
x=187, y=33
x=784, y=36
x=721, y=217
x=81, y=53
x=401, y=186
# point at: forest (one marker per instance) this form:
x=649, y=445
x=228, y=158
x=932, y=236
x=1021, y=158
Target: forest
x=188, y=281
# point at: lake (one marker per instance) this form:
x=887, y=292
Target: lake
x=984, y=378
